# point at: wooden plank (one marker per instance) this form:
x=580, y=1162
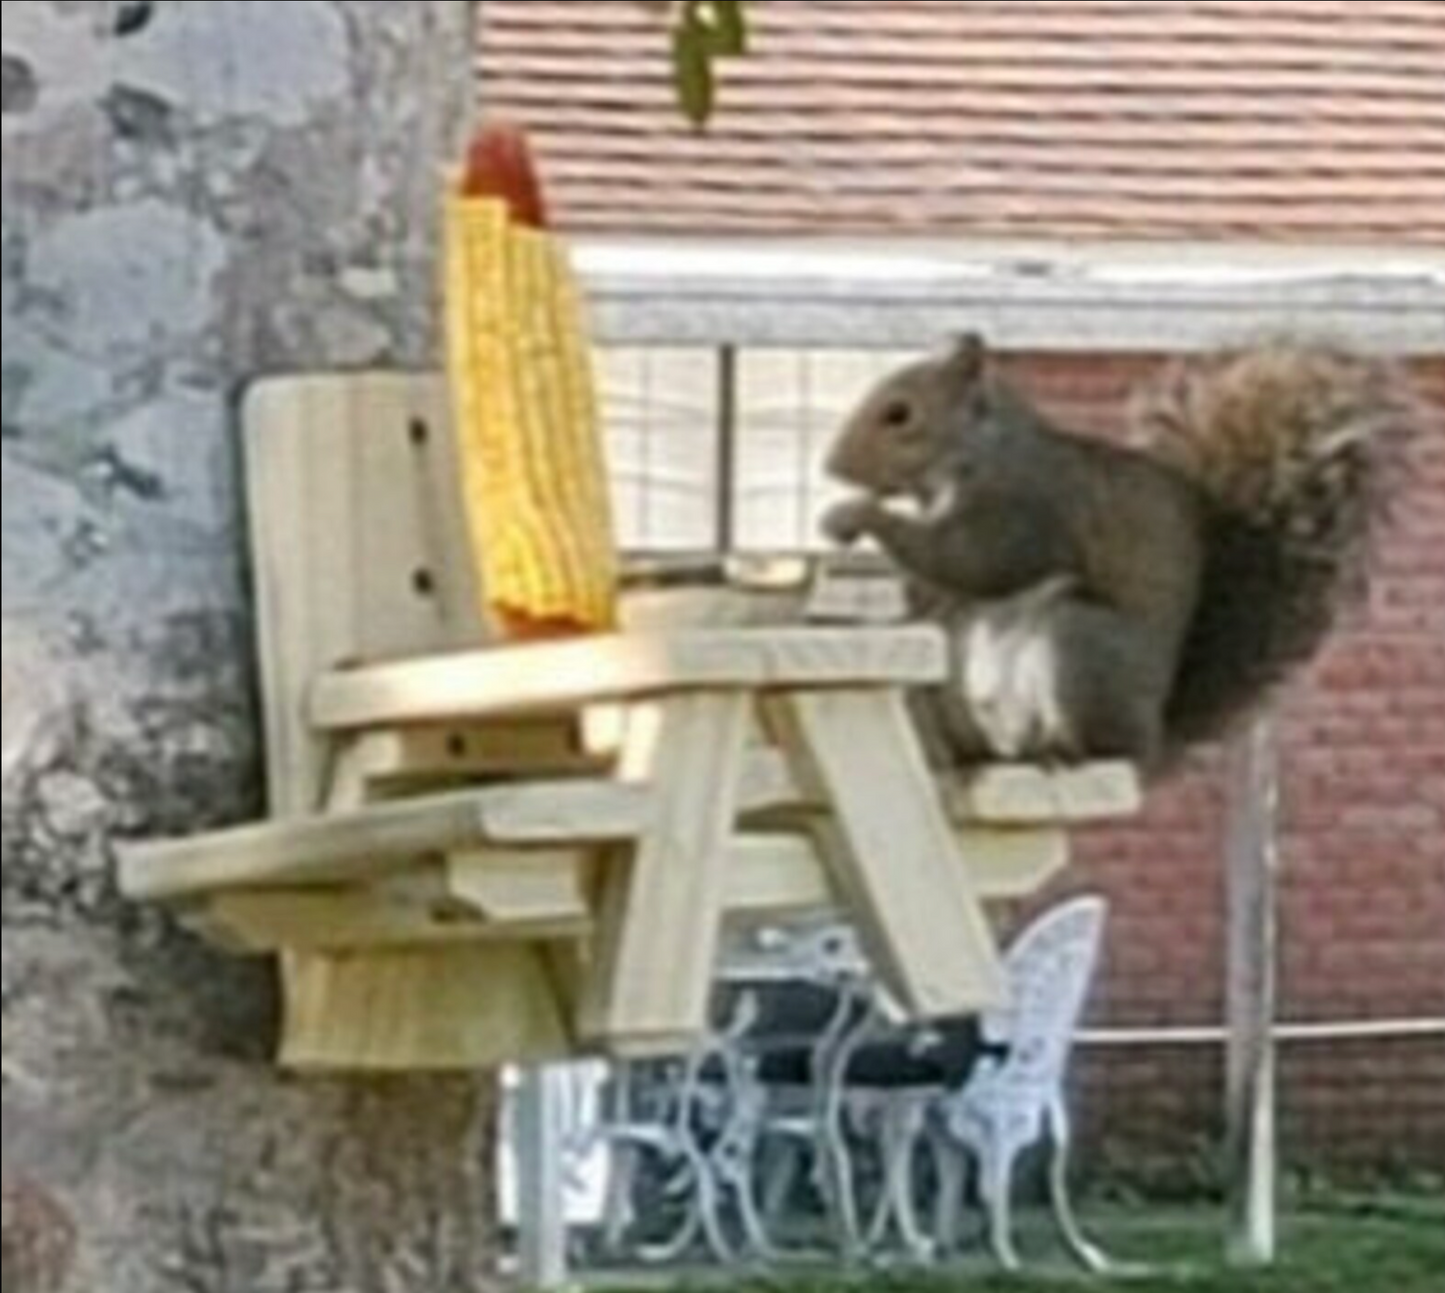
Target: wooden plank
x=353, y=845
x=383, y=760
x=269, y=920
x=338, y=847
x=457, y=1008
x=661, y=911
x=891, y=848
x=780, y=872
x=352, y=521
x=1011, y=861
x=303, y=619
x=776, y=874
x=1016, y=793
x=409, y=908
x=533, y=894
x=769, y=790
x=415, y=580
x=553, y=675
x=1006, y=795
x=336, y=918
x=769, y=876
x=583, y=810
x=1003, y=861
x=521, y=887
x=1252, y=880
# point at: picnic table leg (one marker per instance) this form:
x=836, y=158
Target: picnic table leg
x=660, y=912
x=891, y=848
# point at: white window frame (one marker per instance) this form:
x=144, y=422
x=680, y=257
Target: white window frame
x=1066, y=299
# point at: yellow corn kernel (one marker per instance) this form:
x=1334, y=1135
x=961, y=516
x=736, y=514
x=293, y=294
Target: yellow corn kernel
x=532, y=468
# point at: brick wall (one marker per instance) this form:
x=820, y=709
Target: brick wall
x=1363, y=900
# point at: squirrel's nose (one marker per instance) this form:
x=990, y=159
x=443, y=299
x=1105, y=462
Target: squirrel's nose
x=844, y=461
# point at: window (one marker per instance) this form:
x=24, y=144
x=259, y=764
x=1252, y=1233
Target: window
x=721, y=446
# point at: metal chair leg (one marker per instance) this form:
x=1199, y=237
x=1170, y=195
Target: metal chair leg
x=836, y=1183
x=901, y=1125
x=950, y=1166
x=1087, y=1254
x=995, y=1189
x=755, y=1230
x=780, y=1177
x=710, y=1209
x=618, y=1212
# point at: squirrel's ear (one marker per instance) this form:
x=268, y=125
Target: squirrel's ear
x=967, y=356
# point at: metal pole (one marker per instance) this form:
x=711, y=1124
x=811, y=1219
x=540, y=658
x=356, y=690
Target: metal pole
x=726, y=465
x=541, y=1210
x=1252, y=882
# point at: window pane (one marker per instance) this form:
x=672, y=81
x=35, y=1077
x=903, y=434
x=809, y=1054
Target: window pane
x=790, y=406
x=659, y=407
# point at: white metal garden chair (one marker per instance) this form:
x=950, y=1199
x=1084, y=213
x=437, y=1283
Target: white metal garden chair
x=651, y=1135
x=781, y=1124
x=1009, y=1104
x=624, y=1129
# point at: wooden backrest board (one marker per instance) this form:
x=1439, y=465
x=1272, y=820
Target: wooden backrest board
x=358, y=545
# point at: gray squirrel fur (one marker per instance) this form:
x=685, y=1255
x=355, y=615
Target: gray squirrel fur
x=1111, y=601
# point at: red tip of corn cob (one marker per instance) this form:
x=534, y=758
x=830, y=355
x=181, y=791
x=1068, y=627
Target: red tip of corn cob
x=499, y=165
x=518, y=626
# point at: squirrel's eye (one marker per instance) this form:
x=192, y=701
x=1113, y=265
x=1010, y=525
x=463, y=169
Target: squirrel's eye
x=897, y=413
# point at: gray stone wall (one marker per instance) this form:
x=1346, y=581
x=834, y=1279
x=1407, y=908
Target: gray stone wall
x=195, y=193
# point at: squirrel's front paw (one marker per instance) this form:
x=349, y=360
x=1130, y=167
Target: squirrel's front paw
x=846, y=522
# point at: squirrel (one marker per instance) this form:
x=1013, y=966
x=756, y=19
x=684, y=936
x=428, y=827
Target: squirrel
x=1105, y=600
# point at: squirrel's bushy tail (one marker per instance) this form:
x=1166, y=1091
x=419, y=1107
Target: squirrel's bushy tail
x=1291, y=444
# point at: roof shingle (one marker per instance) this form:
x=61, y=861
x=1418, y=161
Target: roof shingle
x=1294, y=120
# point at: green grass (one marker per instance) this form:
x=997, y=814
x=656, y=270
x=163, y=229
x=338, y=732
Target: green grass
x=1377, y=1245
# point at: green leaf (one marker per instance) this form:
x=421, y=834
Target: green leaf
x=692, y=72
x=729, y=27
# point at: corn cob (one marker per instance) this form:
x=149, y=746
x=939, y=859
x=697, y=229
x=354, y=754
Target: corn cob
x=533, y=476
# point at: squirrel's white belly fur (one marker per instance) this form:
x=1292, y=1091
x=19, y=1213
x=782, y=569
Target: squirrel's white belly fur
x=1007, y=666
